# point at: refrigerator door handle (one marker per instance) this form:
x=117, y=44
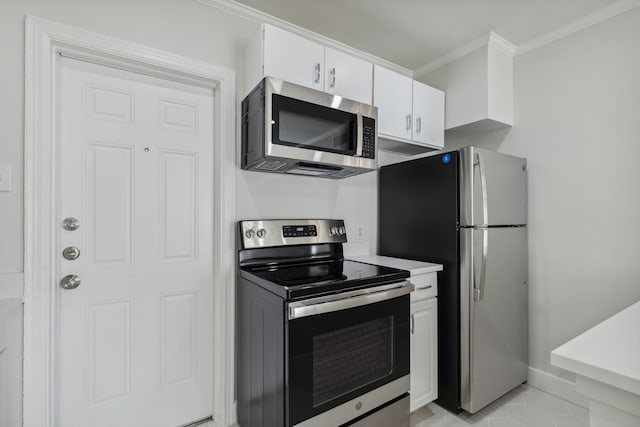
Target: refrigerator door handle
x=478, y=290
x=483, y=187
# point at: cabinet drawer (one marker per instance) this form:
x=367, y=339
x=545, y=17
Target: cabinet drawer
x=426, y=286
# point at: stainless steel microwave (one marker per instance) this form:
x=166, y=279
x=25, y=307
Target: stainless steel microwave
x=287, y=128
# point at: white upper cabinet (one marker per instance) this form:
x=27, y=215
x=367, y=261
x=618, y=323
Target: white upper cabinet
x=348, y=76
x=278, y=53
x=409, y=111
x=479, y=87
x=428, y=115
x=392, y=94
x=293, y=58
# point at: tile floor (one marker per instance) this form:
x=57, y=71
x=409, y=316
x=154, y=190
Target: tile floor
x=523, y=407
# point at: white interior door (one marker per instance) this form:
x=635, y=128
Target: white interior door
x=135, y=338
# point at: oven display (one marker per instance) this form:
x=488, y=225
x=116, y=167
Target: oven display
x=299, y=230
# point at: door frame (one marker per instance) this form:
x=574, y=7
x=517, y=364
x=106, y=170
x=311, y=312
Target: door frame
x=44, y=40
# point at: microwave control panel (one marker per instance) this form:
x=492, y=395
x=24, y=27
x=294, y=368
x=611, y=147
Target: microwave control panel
x=368, y=138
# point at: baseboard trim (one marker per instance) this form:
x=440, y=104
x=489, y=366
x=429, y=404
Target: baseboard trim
x=557, y=386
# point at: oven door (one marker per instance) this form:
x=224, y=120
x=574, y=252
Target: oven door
x=347, y=354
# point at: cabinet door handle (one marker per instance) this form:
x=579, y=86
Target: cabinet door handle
x=413, y=324
x=316, y=67
x=419, y=125
x=408, y=121
x=332, y=73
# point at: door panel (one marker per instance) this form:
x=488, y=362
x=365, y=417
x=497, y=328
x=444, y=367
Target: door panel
x=109, y=356
x=393, y=94
x=424, y=353
x=293, y=58
x=109, y=203
x=495, y=191
x=348, y=76
x=428, y=115
x=498, y=319
x=178, y=206
x=135, y=167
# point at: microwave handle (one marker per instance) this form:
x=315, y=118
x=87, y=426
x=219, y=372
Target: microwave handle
x=346, y=300
x=359, y=135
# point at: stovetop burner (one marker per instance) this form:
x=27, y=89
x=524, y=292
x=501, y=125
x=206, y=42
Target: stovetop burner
x=302, y=258
x=318, y=278
x=295, y=281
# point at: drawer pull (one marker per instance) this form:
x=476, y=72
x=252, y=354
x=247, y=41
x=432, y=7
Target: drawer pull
x=426, y=287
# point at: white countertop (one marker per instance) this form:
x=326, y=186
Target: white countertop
x=414, y=267
x=609, y=352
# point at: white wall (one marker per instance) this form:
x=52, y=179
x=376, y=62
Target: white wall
x=577, y=121
x=263, y=195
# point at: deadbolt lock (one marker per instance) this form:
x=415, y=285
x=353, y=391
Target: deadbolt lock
x=70, y=224
x=71, y=253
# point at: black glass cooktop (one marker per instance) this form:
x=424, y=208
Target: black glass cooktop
x=314, y=279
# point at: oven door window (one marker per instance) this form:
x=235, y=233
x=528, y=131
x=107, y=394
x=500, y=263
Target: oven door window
x=305, y=125
x=338, y=356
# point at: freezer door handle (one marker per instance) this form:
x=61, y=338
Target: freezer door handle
x=478, y=288
x=483, y=188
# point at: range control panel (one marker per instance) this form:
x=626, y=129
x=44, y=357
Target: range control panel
x=264, y=233
x=299, y=231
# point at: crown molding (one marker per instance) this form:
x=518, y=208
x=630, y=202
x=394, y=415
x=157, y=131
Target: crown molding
x=452, y=56
x=502, y=44
x=492, y=39
x=578, y=25
x=254, y=15
x=543, y=40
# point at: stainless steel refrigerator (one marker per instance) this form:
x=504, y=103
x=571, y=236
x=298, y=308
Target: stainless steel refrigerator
x=466, y=209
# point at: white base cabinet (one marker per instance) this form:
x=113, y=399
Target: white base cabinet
x=424, y=352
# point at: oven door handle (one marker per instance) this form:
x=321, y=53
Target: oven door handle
x=345, y=300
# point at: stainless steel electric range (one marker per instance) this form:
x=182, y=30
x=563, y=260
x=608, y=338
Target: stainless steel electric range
x=321, y=341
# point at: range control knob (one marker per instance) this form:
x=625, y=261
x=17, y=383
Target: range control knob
x=261, y=233
x=249, y=234
x=342, y=230
x=333, y=230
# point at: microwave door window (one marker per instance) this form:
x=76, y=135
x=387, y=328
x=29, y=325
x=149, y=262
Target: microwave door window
x=315, y=133
x=304, y=125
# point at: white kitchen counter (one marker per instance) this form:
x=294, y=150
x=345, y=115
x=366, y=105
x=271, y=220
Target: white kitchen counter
x=606, y=361
x=414, y=267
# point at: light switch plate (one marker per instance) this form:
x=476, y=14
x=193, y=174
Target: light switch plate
x=5, y=176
